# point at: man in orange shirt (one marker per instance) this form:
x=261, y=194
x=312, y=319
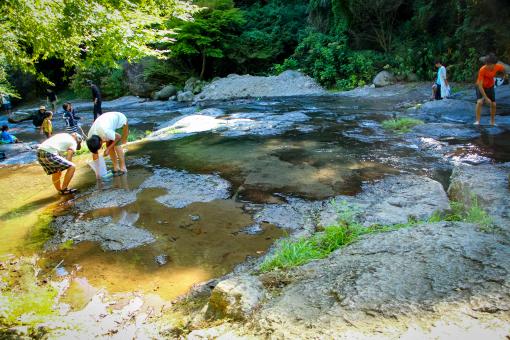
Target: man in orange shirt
x=485, y=86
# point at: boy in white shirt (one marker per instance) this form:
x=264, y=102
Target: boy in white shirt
x=112, y=129
x=49, y=157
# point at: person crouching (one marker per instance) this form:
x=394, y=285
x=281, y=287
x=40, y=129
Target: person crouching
x=111, y=128
x=49, y=157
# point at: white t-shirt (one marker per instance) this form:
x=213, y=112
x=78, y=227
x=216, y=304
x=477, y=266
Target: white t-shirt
x=59, y=143
x=106, y=124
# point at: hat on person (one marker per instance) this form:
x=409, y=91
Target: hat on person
x=42, y=107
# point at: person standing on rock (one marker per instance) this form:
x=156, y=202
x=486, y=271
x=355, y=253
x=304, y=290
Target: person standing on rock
x=52, y=99
x=49, y=157
x=440, y=89
x=485, y=87
x=96, y=99
x=112, y=129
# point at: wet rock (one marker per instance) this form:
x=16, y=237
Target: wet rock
x=488, y=184
x=235, y=86
x=449, y=110
x=18, y=153
x=253, y=229
x=161, y=260
x=393, y=200
x=112, y=236
x=401, y=275
x=447, y=131
x=185, y=188
x=235, y=298
x=194, y=218
x=221, y=332
x=165, y=93
x=186, y=96
x=383, y=78
x=212, y=112
x=106, y=199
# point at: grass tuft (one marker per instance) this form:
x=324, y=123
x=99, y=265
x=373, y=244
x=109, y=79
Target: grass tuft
x=401, y=125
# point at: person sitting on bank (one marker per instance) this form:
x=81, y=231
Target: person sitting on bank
x=47, y=126
x=50, y=158
x=37, y=117
x=440, y=89
x=70, y=118
x=111, y=128
x=485, y=87
x=6, y=137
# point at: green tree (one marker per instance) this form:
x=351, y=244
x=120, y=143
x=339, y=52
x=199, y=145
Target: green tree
x=214, y=29
x=80, y=33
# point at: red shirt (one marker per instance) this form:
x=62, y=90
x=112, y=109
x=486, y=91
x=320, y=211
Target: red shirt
x=487, y=76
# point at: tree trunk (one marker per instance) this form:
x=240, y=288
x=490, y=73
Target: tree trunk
x=203, y=66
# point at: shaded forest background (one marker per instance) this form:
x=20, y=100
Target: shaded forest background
x=341, y=43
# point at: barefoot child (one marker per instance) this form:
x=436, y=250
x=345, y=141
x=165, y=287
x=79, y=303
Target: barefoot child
x=6, y=137
x=49, y=157
x=110, y=128
x=485, y=87
x=47, y=127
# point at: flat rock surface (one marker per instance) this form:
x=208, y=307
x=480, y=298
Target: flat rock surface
x=390, y=276
x=393, y=200
x=184, y=188
x=488, y=184
x=112, y=236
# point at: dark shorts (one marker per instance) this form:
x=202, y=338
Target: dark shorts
x=7, y=106
x=438, y=92
x=489, y=92
x=52, y=163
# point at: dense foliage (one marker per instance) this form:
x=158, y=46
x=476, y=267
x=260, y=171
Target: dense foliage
x=341, y=43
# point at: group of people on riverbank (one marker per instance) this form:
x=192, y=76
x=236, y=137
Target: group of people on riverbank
x=484, y=86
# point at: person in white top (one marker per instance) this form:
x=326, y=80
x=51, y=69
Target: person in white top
x=49, y=156
x=440, y=89
x=111, y=128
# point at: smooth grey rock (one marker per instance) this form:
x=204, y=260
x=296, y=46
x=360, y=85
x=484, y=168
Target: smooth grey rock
x=235, y=298
x=253, y=229
x=165, y=93
x=161, y=260
x=383, y=78
x=393, y=200
x=189, y=85
x=185, y=188
x=399, y=275
x=186, y=96
x=447, y=131
x=289, y=83
x=488, y=184
x=112, y=236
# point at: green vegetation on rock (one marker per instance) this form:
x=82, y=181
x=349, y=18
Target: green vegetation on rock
x=401, y=125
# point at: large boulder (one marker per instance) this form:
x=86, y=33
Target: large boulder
x=235, y=298
x=384, y=78
x=186, y=96
x=165, y=93
x=488, y=186
x=289, y=83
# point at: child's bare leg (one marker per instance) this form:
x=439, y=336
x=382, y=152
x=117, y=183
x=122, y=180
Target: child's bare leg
x=493, y=113
x=68, y=176
x=56, y=180
x=479, y=104
x=114, y=156
x=122, y=159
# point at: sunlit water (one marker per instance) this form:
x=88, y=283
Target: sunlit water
x=333, y=153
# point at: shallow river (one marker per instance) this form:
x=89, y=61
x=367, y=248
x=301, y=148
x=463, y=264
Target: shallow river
x=333, y=145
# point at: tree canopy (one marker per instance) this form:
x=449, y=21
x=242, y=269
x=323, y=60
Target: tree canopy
x=80, y=33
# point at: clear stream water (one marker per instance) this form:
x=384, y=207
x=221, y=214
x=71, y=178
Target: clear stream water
x=333, y=152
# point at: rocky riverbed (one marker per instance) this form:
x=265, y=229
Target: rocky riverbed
x=214, y=186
